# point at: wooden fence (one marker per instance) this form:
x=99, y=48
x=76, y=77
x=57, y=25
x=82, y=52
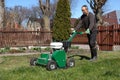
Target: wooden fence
x=24, y=38
x=116, y=34
x=106, y=39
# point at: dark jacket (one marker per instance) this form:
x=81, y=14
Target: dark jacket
x=87, y=22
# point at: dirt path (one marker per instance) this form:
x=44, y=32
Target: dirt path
x=75, y=51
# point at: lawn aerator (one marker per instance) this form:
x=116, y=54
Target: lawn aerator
x=57, y=58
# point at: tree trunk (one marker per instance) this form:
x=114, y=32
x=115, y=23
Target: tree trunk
x=46, y=29
x=98, y=15
x=46, y=24
x=46, y=14
x=2, y=13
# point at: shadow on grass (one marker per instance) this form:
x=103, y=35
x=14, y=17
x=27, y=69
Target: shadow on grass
x=81, y=57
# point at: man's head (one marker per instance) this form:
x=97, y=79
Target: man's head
x=85, y=9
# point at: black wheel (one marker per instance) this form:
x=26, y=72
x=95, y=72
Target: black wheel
x=33, y=61
x=51, y=65
x=70, y=62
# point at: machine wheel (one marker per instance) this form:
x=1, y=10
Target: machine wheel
x=51, y=65
x=33, y=61
x=70, y=62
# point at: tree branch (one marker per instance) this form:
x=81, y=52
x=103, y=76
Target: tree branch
x=41, y=6
x=45, y=8
x=88, y=1
x=92, y=4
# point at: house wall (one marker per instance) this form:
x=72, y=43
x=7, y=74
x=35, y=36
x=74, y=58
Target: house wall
x=33, y=26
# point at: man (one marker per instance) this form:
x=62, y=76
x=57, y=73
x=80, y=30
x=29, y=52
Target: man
x=88, y=21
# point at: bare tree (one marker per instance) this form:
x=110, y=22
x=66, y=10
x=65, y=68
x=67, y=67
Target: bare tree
x=97, y=6
x=45, y=8
x=20, y=14
x=53, y=8
x=36, y=12
x=16, y=15
x=48, y=11
x=8, y=17
x=2, y=11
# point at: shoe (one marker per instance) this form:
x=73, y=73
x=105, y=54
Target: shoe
x=93, y=59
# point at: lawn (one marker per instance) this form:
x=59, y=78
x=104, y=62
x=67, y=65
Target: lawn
x=107, y=67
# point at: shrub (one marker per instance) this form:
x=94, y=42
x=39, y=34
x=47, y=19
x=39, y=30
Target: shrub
x=47, y=49
x=15, y=51
x=74, y=47
x=61, y=23
x=36, y=49
x=4, y=50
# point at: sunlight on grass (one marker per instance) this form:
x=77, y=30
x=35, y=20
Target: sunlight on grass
x=107, y=67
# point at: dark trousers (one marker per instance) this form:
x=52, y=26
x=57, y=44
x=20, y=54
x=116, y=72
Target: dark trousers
x=92, y=43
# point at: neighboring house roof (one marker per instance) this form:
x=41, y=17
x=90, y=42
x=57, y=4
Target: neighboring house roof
x=73, y=20
x=112, y=17
x=118, y=16
x=34, y=24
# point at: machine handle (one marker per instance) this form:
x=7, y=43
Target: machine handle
x=74, y=34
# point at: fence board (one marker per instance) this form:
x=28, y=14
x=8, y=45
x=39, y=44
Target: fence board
x=80, y=39
x=24, y=38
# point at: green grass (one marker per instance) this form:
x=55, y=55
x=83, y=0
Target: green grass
x=107, y=67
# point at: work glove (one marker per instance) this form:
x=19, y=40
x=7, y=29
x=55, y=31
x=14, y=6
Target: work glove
x=73, y=30
x=87, y=31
